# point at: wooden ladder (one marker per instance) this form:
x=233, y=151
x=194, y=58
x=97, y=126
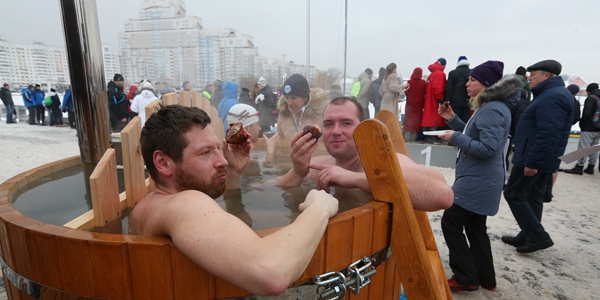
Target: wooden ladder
x=412, y=242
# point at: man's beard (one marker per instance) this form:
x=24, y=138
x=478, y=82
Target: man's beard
x=212, y=187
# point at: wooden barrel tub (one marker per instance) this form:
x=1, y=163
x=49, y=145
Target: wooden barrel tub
x=44, y=261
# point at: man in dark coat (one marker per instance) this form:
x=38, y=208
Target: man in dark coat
x=6, y=98
x=540, y=138
x=217, y=94
x=456, y=89
x=117, y=104
x=266, y=106
x=590, y=134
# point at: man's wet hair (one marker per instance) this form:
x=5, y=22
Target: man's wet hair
x=339, y=101
x=166, y=131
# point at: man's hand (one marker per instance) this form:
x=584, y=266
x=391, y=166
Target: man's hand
x=330, y=175
x=124, y=120
x=446, y=136
x=529, y=172
x=301, y=152
x=322, y=201
x=271, y=142
x=237, y=155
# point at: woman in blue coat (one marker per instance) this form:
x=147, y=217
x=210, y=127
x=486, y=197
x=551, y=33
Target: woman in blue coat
x=480, y=174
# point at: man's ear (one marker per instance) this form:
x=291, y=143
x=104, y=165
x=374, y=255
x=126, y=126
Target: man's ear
x=164, y=165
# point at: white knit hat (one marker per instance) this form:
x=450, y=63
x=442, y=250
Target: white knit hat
x=242, y=113
x=262, y=81
x=146, y=85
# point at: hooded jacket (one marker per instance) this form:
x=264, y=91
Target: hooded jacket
x=229, y=99
x=480, y=168
x=38, y=97
x=117, y=104
x=436, y=83
x=140, y=102
x=68, y=101
x=27, y=97
x=312, y=113
x=589, y=108
x=543, y=130
x=363, y=95
x=415, y=99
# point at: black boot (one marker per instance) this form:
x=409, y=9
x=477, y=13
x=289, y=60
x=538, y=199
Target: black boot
x=589, y=169
x=577, y=170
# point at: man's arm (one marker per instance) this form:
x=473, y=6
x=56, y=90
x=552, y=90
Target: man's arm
x=225, y=247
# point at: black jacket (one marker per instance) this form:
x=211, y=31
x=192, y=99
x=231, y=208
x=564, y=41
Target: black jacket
x=216, y=97
x=456, y=90
x=117, y=104
x=245, y=98
x=576, y=111
x=267, y=107
x=589, y=108
x=6, y=96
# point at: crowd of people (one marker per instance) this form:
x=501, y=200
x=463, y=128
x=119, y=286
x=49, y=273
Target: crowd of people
x=482, y=111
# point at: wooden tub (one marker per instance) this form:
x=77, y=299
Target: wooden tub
x=69, y=263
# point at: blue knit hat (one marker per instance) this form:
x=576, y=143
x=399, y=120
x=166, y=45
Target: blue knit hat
x=462, y=58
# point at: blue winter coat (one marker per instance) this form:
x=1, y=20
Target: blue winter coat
x=480, y=168
x=543, y=130
x=229, y=100
x=38, y=97
x=68, y=101
x=27, y=97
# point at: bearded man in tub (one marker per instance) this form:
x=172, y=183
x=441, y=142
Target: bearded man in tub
x=343, y=169
x=191, y=167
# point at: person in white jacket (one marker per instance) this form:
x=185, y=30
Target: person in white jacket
x=142, y=100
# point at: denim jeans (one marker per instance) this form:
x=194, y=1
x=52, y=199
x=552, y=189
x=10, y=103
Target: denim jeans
x=525, y=197
x=9, y=113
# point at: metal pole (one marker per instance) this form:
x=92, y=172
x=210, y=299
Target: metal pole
x=345, y=45
x=308, y=40
x=84, y=54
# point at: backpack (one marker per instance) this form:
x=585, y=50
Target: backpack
x=48, y=101
x=596, y=117
x=355, y=90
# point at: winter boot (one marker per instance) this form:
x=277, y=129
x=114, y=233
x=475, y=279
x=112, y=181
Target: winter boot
x=589, y=169
x=577, y=170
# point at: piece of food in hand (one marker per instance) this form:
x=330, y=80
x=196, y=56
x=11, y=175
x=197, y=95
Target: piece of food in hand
x=236, y=134
x=315, y=130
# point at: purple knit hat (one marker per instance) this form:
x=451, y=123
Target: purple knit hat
x=488, y=73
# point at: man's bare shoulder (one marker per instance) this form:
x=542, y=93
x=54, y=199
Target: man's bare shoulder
x=155, y=211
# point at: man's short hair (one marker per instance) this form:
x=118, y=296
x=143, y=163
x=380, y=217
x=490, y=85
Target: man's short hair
x=339, y=101
x=166, y=131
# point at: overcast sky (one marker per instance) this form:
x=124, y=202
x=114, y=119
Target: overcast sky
x=409, y=33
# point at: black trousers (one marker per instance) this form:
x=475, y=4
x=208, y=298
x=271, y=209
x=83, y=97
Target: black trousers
x=40, y=114
x=471, y=263
x=31, y=110
x=72, y=119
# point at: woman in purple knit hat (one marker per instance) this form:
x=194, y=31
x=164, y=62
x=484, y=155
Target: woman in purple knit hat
x=480, y=174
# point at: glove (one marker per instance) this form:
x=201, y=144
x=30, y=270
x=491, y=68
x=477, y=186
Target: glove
x=259, y=98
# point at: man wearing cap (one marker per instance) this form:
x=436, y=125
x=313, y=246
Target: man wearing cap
x=265, y=103
x=456, y=89
x=6, y=98
x=363, y=94
x=522, y=72
x=590, y=134
x=540, y=138
x=117, y=104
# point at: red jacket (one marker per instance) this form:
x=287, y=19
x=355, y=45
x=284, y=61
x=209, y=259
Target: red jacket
x=415, y=98
x=436, y=83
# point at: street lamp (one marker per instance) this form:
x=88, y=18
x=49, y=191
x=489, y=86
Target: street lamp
x=308, y=40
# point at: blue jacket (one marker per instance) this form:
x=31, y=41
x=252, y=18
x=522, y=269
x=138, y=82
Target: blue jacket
x=27, y=97
x=68, y=101
x=480, y=168
x=38, y=97
x=543, y=130
x=229, y=100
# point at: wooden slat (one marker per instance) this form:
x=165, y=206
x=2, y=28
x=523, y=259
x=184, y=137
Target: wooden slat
x=391, y=122
x=185, y=98
x=186, y=277
x=151, y=280
x=44, y=253
x=196, y=98
x=361, y=244
x=387, y=183
x=381, y=221
x=133, y=162
x=108, y=255
x=338, y=251
x=217, y=123
x=73, y=260
x=104, y=189
x=170, y=99
x=151, y=108
x=18, y=259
